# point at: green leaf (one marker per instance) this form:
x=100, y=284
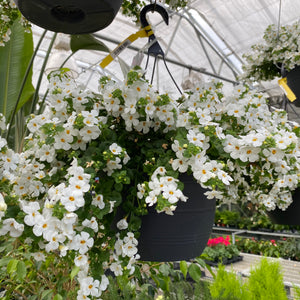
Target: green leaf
x=86, y=42
x=12, y=266
x=195, y=272
x=74, y=272
x=14, y=59
x=58, y=297
x=47, y=294
x=21, y=270
x=184, y=268
x=4, y=261
x=164, y=269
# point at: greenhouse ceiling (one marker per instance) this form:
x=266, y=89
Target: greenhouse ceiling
x=204, y=40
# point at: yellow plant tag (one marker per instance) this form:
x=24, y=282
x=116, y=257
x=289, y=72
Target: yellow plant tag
x=144, y=32
x=289, y=93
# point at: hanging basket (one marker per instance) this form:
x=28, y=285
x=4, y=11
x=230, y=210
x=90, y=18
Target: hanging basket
x=71, y=17
x=291, y=216
x=293, y=81
x=185, y=234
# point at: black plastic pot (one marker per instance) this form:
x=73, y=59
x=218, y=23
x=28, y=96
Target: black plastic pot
x=291, y=216
x=224, y=261
x=70, y=16
x=185, y=234
x=293, y=81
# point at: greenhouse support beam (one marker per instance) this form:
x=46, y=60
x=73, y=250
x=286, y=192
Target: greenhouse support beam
x=189, y=67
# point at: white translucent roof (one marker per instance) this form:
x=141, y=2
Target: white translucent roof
x=206, y=40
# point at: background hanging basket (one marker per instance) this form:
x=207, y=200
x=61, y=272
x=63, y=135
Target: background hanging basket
x=73, y=17
x=291, y=215
x=181, y=236
x=293, y=81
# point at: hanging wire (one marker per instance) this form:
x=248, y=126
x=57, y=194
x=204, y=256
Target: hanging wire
x=279, y=19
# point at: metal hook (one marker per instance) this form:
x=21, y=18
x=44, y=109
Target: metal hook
x=155, y=48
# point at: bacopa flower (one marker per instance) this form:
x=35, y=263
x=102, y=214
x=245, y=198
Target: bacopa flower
x=280, y=46
x=83, y=242
x=12, y=227
x=88, y=154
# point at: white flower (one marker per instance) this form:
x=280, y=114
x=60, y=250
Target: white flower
x=63, y=141
x=80, y=182
x=83, y=242
x=159, y=171
x=141, y=190
x=267, y=201
x=10, y=160
x=54, y=241
x=273, y=154
x=112, y=165
x=122, y=224
x=92, y=223
x=115, y=149
x=168, y=210
x=129, y=249
x=89, y=133
x=46, y=227
x=203, y=172
x=131, y=120
x=224, y=177
x=180, y=164
x=196, y=138
x=81, y=296
x=89, y=286
x=130, y=239
x=104, y=283
x=12, y=227
x=151, y=198
x=213, y=194
x=72, y=199
x=98, y=201
x=38, y=256
x=81, y=260
x=116, y=268
x=171, y=193
x=31, y=209
x=249, y=154
x=90, y=118
x=55, y=192
x=3, y=205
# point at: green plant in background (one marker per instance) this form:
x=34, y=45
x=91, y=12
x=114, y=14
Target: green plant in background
x=220, y=250
x=296, y=290
x=228, y=286
x=287, y=248
x=266, y=281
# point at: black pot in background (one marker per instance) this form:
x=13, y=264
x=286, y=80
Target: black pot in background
x=182, y=236
x=291, y=216
x=70, y=16
x=293, y=81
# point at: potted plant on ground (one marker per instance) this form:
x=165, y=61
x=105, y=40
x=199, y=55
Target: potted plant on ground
x=220, y=250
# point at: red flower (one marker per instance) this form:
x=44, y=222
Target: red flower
x=219, y=240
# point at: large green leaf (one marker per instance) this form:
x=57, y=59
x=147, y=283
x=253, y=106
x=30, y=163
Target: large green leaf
x=86, y=42
x=14, y=60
